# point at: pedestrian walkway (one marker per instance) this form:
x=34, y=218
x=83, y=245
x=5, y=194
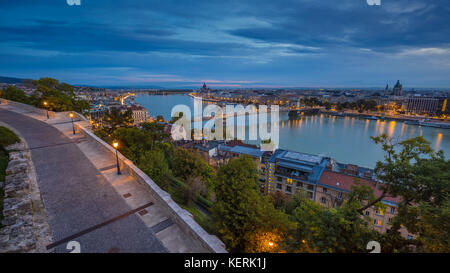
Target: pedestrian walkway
x=86, y=200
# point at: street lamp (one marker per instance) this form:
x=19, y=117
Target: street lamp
x=45, y=105
x=73, y=125
x=116, y=145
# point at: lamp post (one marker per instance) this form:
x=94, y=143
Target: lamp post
x=73, y=125
x=45, y=105
x=116, y=145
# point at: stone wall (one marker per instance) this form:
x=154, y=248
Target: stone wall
x=25, y=227
x=179, y=215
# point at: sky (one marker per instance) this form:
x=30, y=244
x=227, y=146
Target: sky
x=228, y=43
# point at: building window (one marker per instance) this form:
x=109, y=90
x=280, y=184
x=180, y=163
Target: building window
x=288, y=188
x=379, y=212
x=367, y=213
x=389, y=220
x=299, y=184
x=409, y=237
x=289, y=181
x=324, y=190
x=340, y=195
x=310, y=187
x=323, y=200
x=279, y=178
x=310, y=195
x=279, y=186
x=377, y=222
x=392, y=210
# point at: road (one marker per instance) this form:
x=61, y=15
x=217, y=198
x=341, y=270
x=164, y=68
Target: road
x=80, y=204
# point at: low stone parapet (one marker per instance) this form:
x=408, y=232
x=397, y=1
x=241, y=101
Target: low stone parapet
x=27, y=107
x=179, y=215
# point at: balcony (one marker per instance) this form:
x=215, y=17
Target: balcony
x=295, y=174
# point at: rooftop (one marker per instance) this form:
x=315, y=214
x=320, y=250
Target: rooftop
x=311, y=164
x=303, y=157
x=344, y=182
x=239, y=149
x=207, y=146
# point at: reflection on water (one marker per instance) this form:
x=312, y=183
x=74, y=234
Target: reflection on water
x=345, y=139
x=391, y=128
x=437, y=145
x=348, y=139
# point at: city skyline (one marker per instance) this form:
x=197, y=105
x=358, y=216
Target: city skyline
x=235, y=44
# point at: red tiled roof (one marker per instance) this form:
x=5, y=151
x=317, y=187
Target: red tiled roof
x=345, y=182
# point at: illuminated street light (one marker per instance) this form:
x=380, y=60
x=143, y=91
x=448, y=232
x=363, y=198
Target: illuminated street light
x=271, y=244
x=116, y=145
x=73, y=125
x=45, y=105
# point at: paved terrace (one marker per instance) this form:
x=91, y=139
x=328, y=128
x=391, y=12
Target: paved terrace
x=85, y=199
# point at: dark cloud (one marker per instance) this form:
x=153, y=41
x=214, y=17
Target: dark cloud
x=280, y=39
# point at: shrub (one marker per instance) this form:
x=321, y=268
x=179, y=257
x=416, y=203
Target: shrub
x=7, y=137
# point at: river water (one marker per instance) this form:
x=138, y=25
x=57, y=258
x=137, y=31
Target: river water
x=346, y=139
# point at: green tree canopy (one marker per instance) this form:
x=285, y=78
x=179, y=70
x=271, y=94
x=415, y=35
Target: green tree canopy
x=154, y=164
x=115, y=118
x=59, y=96
x=240, y=212
x=421, y=178
x=15, y=94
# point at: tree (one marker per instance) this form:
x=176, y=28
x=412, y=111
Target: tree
x=15, y=94
x=192, y=188
x=433, y=228
x=59, y=96
x=156, y=132
x=283, y=201
x=115, y=119
x=327, y=105
x=421, y=178
x=188, y=164
x=240, y=212
x=153, y=163
x=132, y=142
x=322, y=229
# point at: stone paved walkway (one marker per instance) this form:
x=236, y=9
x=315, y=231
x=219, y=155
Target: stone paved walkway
x=85, y=199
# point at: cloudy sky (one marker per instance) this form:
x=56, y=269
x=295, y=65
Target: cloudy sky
x=272, y=43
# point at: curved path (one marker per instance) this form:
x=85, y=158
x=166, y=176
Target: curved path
x=80, y=202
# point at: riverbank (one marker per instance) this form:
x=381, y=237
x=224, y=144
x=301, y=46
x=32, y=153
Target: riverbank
x=409, y=121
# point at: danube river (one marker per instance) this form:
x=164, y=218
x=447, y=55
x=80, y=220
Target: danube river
x=345, y=139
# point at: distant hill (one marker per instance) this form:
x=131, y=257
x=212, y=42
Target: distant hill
x=10, y=80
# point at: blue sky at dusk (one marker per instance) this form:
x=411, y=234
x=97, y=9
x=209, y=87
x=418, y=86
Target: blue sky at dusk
x=260, y=43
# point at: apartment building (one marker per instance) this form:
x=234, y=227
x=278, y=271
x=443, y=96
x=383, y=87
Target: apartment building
x=427, y=105
x=208, y=150
x=326, y=182
x=289, y=171
x=234, y=149
x=140, y=114
x=333, y=186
